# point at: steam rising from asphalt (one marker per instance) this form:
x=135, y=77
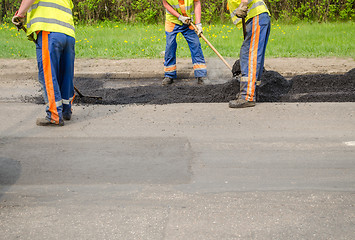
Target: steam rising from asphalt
x=217, y=71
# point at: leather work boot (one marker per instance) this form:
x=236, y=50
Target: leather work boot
x=167, y=81
x=46, y=122
x=241, y=103
x=201, y=80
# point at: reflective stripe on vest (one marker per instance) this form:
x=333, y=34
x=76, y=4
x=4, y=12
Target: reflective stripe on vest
x=255, y=7
x=185, y=8
x=50, y=4
x=50, y=20
x=51, y=16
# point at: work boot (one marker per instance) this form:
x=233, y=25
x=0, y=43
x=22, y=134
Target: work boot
x=241, y=103
x=167, y=81
x=201, y=80
x=66, y=117
x=46, y=122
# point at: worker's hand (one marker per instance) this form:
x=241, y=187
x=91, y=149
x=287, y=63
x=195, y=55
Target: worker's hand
x=18, y=21
x=242, y=10
x=198, y=29
x=185, y=20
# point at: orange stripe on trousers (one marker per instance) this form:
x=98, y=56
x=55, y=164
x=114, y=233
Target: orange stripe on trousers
x=253, y=58
x=199, y=66
x=256, y=47
x=47, y=70
x=169, y=69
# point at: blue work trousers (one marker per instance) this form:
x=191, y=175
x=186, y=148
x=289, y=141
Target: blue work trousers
x=55, y=59
x=198, y=60
x=252, y=54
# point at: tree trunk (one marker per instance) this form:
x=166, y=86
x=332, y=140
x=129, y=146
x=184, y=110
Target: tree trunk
x=222, y=11
x=3, y=9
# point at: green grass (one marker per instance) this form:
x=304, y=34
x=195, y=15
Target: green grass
x=117, y=41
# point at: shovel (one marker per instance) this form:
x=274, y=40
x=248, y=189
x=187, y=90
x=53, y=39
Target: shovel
x=83, y=96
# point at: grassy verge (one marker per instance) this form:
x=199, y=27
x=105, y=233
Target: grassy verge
x=116, y=41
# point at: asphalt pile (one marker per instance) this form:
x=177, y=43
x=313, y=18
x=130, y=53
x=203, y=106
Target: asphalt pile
x=322, y=88
x=274, y=88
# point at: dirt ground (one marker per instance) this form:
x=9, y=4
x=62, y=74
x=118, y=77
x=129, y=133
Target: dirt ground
x=154, y=67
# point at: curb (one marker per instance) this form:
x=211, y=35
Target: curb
x=101, y=75
x=129, y=75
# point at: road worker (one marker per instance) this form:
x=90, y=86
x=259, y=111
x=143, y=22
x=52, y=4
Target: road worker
x=50, y=24
x=179, y=15
x=252, y=52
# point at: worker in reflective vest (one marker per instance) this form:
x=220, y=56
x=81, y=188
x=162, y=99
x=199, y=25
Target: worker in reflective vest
x=252, y=52
x=179, y=14
x=51, y=21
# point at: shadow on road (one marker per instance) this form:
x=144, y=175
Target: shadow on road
x=10, y=171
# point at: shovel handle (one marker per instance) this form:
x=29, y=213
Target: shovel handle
x=211, y=46
x=77, y=90
x=244, y=28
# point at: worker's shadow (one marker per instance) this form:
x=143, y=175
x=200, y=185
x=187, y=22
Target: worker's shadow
x=10, y=171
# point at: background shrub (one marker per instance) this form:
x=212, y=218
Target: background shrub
x=152, y=11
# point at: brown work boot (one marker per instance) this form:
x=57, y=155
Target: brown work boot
x=46, y=122
x=167, y=81
x=241, y=103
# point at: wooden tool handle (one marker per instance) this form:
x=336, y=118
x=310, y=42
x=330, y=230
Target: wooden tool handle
x=213, y=48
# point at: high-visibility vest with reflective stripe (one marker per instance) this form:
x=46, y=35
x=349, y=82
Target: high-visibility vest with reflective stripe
x=255, y=7
x=51, y=16
x=184, y=7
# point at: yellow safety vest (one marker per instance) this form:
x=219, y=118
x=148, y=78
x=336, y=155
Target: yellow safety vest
x=51, y=16
x=255, y=7
x=184, y=7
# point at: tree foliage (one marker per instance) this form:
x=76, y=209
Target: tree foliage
x=152, y=11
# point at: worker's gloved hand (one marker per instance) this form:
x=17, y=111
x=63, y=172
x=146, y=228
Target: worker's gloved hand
x=185, y=20
x=18, y=21
x=242, y=10
x=198, y=29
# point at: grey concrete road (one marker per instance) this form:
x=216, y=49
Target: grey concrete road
x=184, y=171
x=179, y=171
